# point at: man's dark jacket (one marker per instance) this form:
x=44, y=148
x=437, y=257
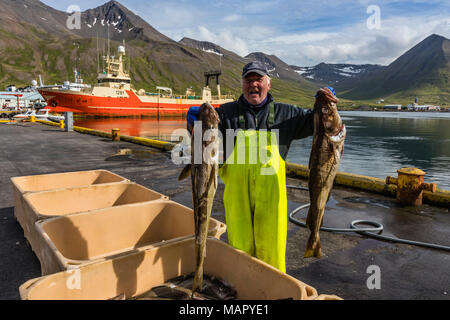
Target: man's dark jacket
x=291, y=121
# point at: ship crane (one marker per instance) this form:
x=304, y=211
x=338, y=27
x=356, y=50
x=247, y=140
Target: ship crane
x=213, y=74
x=164, y=89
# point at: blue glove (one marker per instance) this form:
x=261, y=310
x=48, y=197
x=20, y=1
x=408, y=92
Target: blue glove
x=332, y=91
x=192, y=116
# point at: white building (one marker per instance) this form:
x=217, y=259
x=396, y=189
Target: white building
x=416, y=107
x=8, y=99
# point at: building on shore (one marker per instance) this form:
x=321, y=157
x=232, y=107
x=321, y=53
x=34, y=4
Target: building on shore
x=416, y=107
x=14, y=98
x=393, y=107
x=19, y=99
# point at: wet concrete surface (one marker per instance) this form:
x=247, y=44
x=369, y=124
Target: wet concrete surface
x=407, y=272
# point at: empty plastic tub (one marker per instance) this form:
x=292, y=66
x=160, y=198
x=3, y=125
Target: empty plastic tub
x=64, y=180
x=48, y=204
x=85, y=238
x=45, y=182
x=138, y=272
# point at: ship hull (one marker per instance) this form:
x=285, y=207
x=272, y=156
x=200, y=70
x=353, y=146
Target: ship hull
x=126, y=105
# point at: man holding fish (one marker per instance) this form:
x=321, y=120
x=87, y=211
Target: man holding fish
x=257, y=133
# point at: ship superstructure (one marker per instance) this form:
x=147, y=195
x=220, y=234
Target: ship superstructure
x=113, y=95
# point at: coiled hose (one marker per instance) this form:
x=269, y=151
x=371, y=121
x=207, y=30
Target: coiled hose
x=374, y=232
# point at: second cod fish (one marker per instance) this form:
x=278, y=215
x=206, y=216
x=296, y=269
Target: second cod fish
x=204, y=169
x=326, y=152
x=179, y=289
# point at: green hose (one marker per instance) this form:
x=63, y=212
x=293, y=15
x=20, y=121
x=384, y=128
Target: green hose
x=374, y=232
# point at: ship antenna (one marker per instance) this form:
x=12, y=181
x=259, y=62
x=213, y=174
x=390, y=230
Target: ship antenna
x=76, y=43
x=98, y=59
x=108, y=41
x=129, y=58
x=103, y=54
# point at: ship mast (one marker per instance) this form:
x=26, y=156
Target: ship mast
x=115, y=75
x=98, y=59
x=77, y=58
x=108, y=42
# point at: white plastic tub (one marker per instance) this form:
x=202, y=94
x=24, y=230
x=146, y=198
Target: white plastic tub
x=138, y=272
x=46, y=182
x=84, y=238
x=62, y=202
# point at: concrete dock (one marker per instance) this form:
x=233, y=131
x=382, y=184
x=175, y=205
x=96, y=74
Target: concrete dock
x=406, y=272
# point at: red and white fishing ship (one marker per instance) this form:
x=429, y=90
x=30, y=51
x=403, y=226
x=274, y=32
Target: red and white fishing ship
x=114, y=95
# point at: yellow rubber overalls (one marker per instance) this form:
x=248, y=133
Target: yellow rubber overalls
x=255, y=196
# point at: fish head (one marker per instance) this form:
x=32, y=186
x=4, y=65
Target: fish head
x=326, y=108
x=208, y=116
x=210, y=122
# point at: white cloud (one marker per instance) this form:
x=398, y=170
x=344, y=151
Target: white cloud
x=231, y=18
x=295, y=39
x=344, y=43
x=356, y=44
x=225, y=38
x=303, y=34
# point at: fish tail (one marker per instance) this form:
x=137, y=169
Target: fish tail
x=198, y=281
x=309, y=254
x=318, y=250
x=313, y=248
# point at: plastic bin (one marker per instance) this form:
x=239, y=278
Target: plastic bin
x=45, y=182
x=85, y=238
x=64, y=180
x=55, y=203
x=138, y=272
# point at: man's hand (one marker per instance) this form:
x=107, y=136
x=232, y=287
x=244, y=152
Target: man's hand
x=192, y=116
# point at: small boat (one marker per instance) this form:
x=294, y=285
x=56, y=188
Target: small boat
x=25, y=116
x=42, y=114
x=55, y=118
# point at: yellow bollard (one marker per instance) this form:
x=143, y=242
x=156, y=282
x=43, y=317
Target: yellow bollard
x=61, y=124
x=115, y=134
x=410, y=186
x=32, y=119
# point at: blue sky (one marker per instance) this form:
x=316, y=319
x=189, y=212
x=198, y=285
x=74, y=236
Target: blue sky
x=303, y=33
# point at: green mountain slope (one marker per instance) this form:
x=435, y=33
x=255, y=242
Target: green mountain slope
x=423, y=71
x=34, y=40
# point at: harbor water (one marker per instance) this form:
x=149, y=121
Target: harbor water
x=377, y=144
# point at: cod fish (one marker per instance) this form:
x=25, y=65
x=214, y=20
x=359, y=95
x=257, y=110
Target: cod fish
x=325, y=157
x=178, y=289
x=204, y=169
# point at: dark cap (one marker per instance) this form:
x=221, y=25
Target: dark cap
x=255, y=66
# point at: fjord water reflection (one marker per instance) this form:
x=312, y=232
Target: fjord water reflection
x=380, y=143
x=136, y=127
x=377, y=144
